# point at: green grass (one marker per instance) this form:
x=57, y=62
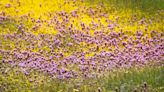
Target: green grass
x=134, y=78
x=140, y=4
x=148, y=6
x=124, y=80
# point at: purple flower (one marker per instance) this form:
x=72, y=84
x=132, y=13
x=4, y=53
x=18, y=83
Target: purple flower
x=111, y=26
x=70, y=44
x=60, y=77
x=57, y=42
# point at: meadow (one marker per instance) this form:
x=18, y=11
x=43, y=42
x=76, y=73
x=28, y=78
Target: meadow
x=81, y=46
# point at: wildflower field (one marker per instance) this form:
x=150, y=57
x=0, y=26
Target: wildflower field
x=81, y=45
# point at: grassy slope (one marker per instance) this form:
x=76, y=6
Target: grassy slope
x=123, y=80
